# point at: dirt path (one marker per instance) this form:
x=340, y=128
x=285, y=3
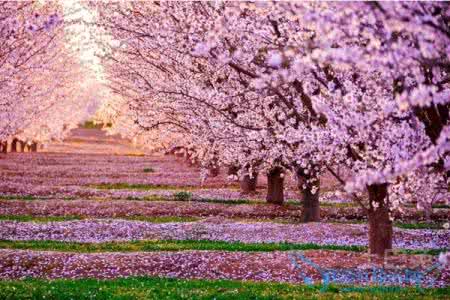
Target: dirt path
x=93, y=141
x=89, y=157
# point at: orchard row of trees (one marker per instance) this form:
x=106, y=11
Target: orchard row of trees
x=42, y=91
x=299, y=88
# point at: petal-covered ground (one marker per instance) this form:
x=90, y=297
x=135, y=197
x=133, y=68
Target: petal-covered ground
x=271, y=266
x=90, y=157
x=105, y=181
x=96, y=231
x=104, y=207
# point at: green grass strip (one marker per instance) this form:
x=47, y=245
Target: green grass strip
x=32, y=198
x=92, y=125
x=419, y=225
x=170, y=288
x=167, y=245
x=37, y=219
x=148, y=170
x=18, y=197
x=442, y=206
x=182, y=245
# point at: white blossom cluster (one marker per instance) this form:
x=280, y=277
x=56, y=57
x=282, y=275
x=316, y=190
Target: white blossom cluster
x=44, y=89
x=299, y=86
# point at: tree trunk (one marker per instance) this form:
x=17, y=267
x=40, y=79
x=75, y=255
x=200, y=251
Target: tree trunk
x=23, y=147
x=191, y=162
x=214, y=171
x=14, y=144
x=448, y=180
x=248, y=184
x=34, y=147
x=380, y=224
x=4, y=147
x=275, y=184
x=307, y=183
x=232, y=170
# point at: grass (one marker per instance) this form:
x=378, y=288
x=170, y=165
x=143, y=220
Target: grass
x=440, y=206
x=31, y=197
x=18, y=197
x=293, y=220
x=181, y=245
x=92, y=125
x=420, y=225
x=146, y=198
x=182, y=196
x=171, y=288
x=38, y=219
x=187, y=196
x=339, y=205
x=167, y=245
x=148, y=170
x=46, y=219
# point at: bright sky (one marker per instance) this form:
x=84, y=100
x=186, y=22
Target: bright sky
x=81, y=36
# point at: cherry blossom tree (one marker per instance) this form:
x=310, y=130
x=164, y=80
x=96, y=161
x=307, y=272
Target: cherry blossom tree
x=42, y=94
x=209, y=106
x=388, y=98
x=294, y=87
x=384, y=93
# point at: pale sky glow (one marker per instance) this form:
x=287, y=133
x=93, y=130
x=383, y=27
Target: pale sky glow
x=81, y=37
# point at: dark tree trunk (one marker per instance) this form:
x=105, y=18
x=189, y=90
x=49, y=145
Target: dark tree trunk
x=14, y=144
x=248, y=184
x=23, y=147
x=214, y=171
x=275, y=185
x=448, y=180
x=232, y=170
x=310, y=201
x=4, y=147
x=380, y=225
x=34, y=147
